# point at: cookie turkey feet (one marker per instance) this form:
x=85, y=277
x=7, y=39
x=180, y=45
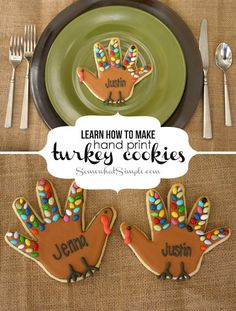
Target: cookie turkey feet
x=183, y=274
x=109, y=99
x=88, y=269
x=121, y=100
x=166, y=275
x=74, y=275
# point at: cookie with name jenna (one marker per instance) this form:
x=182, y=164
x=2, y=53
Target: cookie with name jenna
x=178, y=244
x=58, y=240
x=117, y=75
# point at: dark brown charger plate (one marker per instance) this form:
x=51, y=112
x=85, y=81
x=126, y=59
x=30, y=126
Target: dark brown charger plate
x=194, y=82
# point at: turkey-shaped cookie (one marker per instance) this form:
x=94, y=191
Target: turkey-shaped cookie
x=116, y=76
x=59, y=242
x=177, y=244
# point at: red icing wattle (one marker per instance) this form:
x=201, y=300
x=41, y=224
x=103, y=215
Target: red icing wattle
x=127, y=239
x=106, y=226
x=81, y=76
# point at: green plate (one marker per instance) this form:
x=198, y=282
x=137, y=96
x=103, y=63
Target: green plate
x=157, y=95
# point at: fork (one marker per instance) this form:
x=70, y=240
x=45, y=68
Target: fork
x=29, y=47
x=15, y=58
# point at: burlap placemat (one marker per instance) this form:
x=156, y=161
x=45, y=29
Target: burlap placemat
x=122, y=284
x=222, y=24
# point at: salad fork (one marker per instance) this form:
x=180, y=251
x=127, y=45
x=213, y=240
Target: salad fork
x=15, y=58
x=29, y=47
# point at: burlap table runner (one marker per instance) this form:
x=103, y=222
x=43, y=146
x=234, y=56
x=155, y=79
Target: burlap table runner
x=122, y=284
x=222, y=25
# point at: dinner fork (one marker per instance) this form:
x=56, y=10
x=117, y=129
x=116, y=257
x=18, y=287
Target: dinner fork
x=29, y=47
x=15, y=58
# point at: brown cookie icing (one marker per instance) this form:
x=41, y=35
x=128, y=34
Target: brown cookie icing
x=76, y=244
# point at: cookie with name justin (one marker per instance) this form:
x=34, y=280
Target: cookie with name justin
x=58, y=240
x=116, y=76
x=178, y=244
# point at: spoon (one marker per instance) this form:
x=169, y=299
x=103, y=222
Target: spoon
x=224, y=59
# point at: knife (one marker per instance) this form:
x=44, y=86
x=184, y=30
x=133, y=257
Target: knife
x=203, y=46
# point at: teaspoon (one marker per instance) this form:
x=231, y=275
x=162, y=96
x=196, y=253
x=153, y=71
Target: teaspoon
x=224, y=59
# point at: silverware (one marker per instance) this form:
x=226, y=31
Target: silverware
x=203, y=46
x=224, y=60
x=29, y=47
x=15, y=58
